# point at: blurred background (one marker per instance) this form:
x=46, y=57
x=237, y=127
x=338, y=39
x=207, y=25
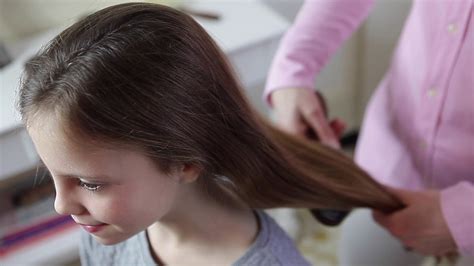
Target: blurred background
x=248, y=31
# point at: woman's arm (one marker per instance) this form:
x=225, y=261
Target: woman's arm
x=319, y=29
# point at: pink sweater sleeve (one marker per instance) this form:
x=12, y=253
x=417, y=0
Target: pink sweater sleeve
x=457, y=204
x=319, y=29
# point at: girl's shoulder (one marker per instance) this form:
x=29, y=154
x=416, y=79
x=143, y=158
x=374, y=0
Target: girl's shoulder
x=272, y=246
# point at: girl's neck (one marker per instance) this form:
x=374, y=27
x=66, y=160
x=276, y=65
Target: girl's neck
x=198, y=226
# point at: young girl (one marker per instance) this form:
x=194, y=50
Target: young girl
x=157, y=155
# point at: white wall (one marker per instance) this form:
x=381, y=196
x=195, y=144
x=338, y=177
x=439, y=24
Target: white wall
x=20, y=18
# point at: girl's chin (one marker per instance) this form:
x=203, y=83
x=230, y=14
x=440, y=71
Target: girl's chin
x=111, y=238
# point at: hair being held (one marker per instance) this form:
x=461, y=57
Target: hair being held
x=149, y=77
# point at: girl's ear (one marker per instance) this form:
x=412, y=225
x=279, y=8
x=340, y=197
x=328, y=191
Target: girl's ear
x=188, y=173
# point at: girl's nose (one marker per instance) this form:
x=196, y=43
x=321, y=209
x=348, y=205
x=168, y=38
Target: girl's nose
x=66, y=203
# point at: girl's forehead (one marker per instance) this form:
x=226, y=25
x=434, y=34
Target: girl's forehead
x=65, y=157
x=54, y=143
x=43, y=129
x=66, y=152
x=55, y=128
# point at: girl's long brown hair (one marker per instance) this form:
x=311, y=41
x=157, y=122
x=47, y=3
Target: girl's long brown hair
x=148, y=76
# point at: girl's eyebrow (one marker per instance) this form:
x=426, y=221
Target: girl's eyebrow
x=85, y=177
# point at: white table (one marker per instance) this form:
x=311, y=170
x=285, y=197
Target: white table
x=248, y=32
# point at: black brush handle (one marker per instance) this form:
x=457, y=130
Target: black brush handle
x=325, y=216
x=329, y=217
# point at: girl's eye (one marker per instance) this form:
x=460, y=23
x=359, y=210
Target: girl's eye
x=89, y=186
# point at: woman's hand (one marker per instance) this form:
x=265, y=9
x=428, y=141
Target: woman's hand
x=420, y=225
x=300, y=111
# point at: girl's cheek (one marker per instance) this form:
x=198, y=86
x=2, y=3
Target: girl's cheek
x=108, y=211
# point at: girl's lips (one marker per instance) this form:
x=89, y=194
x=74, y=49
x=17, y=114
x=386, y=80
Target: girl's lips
x=93, y=228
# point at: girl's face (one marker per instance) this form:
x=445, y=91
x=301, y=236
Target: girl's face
x=114, y=194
